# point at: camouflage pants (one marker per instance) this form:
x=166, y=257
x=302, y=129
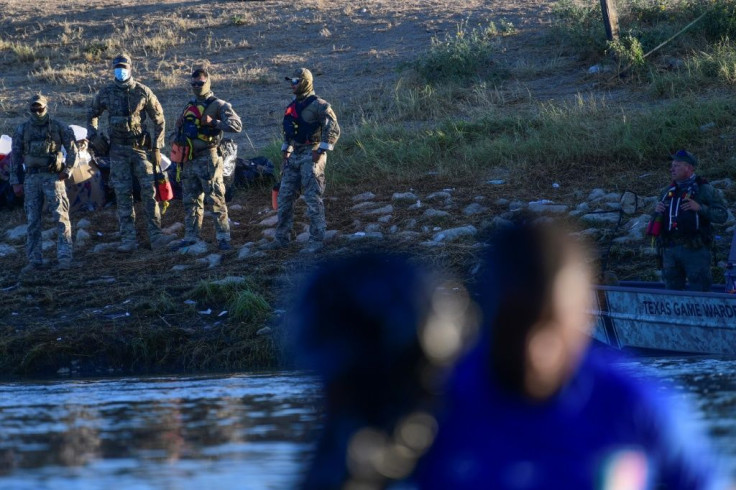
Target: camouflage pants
x=36, y=188
x=125, y=163
x=202, y=180
x=680, y=263
x=300, y=173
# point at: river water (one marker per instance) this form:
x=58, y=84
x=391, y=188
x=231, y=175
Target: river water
x=244, y=431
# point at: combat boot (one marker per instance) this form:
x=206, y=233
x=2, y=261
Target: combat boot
x=275, y=245
x=64, y=264
x=184, y=242
x=30, y=268
x=224, y=245
x=127, y=247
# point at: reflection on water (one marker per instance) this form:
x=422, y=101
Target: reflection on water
x=203, y=432
x=706, y=385
x=227, y=432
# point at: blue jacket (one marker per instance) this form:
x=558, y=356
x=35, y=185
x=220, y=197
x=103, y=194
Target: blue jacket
x=602, y=423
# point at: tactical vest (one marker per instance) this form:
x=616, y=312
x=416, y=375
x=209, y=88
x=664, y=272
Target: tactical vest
x=40, y=144
x=127, y=112
x=681, y=225
x=298, y=130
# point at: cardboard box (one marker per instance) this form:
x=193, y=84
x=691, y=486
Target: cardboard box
x=85, y=189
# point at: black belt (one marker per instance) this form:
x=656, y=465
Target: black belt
x=38, y=170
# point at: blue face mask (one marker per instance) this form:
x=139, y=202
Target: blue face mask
x=122, y=74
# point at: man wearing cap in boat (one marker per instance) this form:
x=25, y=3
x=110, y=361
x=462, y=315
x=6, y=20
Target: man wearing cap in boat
x=37, y=144
x=199, y=131
x=310, y=130
x=128, y=104
x=682, y=225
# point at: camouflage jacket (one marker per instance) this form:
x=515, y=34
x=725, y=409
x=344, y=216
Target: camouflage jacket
x=35, y=145
x=127, y=104
x=319, y=116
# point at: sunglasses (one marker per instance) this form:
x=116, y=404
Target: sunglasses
x=198, y=83
x=38, y=109
x=295, y=81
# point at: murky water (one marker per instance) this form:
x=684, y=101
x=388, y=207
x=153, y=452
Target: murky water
x=227, y=432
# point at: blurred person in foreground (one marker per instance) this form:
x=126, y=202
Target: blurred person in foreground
x=532, y=407
x=378, y=331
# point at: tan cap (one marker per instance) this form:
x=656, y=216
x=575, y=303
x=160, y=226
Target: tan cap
x=38, y=99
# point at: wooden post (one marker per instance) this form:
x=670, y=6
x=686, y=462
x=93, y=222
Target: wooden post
x=610, y=19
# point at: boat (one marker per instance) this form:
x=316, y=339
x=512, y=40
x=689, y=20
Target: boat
x=644, y=316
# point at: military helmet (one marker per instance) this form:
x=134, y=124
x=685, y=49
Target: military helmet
x=122, y=59
x=38, y=99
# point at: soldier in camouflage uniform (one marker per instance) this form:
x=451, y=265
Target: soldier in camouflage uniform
x=129, y=103
x=310, y=130
x=37, y=143
x=200, y=129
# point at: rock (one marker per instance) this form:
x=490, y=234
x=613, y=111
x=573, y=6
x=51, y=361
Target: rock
x=439, y=195
x=516, y=205
x=479, y=198
x=245, y=251
x=364, y=205
x=362, y=235
x=410, y=224
x=211, y=261
x=600, y=218
x=372, y=228
x=502, y=202
x=225, y=281
x=495, y=222
x=270, y=221
x=235, y=207
x=331, y=235
x=302, y=237
x=434, y=214
x=105, y=247
x=384, y=210
x=83, y=223
x=496, y=182
x=366, y=196
x=611, y=206
x=722, y=183
x=173, y=228
x=82, y=237
x=583, y=207
x=404, y=197
x=264, y=331
x=393, y=229
x=17, y=233
x=198, y=248
x=474, y=208
x=542, y=207
x=385, y=219
x=432, y=243
x=596, y=194
x=416, y=205
x=408, y=235
x=269, y=232
x=7, y=250
x=455, y=233
x=181, y=267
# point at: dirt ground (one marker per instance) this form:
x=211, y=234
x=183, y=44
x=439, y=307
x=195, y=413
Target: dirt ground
x=353, y=50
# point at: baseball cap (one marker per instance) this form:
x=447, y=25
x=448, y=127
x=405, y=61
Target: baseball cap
x=684, y=156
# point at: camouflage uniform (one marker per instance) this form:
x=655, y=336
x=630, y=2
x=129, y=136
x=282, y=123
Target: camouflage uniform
x=37, y=144
x=129, y=104
x=686, y=251
x=310, y=130
x=203, y=174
